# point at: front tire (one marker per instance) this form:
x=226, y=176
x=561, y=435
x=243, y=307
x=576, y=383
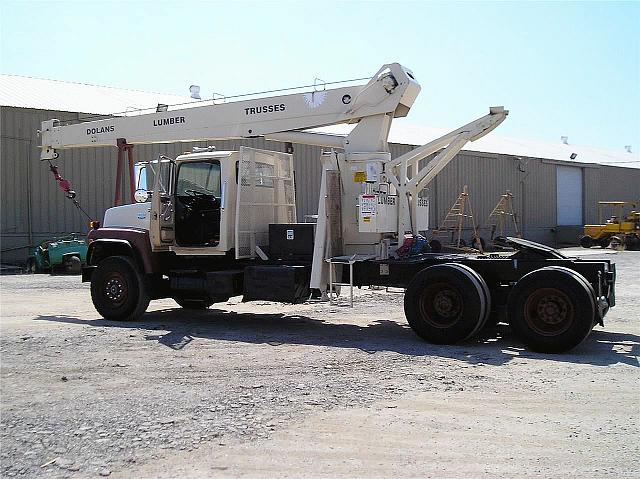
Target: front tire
x=586, y=241
x=118, y=289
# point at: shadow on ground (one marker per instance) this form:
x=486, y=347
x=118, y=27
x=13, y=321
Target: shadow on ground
x=176, y=328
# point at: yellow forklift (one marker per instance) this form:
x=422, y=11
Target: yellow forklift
x=618, y=231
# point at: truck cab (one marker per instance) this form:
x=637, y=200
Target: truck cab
x=210, y=202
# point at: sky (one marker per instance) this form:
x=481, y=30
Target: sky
x=561, y=68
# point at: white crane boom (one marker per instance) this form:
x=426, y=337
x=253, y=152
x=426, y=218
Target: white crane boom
x=391, y=91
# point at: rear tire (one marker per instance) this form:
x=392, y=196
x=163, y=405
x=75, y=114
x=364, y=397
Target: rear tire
x=118, y=289
x=633, y=242
x=552, y=309
x=447, y=303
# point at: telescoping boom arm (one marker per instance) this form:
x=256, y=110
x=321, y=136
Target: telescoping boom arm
x=390, y=92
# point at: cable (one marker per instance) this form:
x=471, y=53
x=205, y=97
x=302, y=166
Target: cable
x=65, y=186
x=243, y=95
x=77, y=205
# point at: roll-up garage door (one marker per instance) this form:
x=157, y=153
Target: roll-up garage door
x=569, y=195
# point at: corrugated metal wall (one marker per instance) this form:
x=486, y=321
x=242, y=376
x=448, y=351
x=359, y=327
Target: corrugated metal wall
x=488, y=176
x=33, y=208
x=609, y=183
x=533, y=184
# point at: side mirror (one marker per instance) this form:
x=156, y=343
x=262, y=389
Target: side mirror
x=141, y=196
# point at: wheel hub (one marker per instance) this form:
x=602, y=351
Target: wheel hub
x=552, y=310
x=115, y=289
x=549, y=312
x=445, y=303
x=440, y=305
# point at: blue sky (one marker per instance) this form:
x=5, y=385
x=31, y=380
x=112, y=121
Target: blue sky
x=561, y=68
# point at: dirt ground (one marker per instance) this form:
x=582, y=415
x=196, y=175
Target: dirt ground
x=313, y=390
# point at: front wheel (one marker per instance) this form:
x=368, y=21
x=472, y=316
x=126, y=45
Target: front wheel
x=586, y=241
x=118, y=291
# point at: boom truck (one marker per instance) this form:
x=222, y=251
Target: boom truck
x=222, y=223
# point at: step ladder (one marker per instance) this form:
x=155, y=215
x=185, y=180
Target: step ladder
x=501, y=215
x=455, y=219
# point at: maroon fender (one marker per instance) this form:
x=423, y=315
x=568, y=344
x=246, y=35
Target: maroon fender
x=133, y=242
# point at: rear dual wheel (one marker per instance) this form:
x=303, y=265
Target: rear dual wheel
x=552, y=309
x=447, y=303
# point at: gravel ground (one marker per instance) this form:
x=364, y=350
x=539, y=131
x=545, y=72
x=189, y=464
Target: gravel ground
x=265, y=389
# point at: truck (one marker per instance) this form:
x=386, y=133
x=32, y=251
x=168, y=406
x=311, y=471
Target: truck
x=212, y=224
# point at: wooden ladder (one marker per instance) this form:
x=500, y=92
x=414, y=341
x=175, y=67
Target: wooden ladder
x=501, y=214
x=455, y=219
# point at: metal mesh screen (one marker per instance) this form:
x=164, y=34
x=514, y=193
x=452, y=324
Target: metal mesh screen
x=266, y=194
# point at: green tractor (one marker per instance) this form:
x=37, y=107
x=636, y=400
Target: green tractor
x=67, y=253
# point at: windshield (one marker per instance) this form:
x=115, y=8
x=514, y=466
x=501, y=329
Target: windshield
x=202, y=177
